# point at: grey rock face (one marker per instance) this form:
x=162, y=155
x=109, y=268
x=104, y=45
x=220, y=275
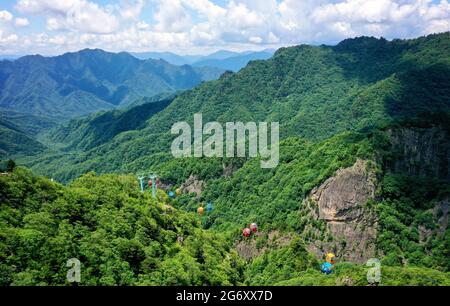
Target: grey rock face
x=420, y=152
x=441, y=212
x=193, y=185
x=341, y=203
x=341, y=198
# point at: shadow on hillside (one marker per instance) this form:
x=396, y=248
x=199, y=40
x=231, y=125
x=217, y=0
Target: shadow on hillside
x=421, y=92
x=367, y=59
x=108, y=125
x=421, y=101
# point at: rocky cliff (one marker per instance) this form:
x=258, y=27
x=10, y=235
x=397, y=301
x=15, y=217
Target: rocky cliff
x=350, y=226
x=193, y=185
x=420, y=152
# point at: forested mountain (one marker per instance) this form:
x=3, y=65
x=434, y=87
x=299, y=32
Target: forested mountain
x=80, y=83
x=18, y=133
x=98, y=128
x=37, y=92
x=364, y=170
x=314, y=92
x=124, y=237
x=15, y=141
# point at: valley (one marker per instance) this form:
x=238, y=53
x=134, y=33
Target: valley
x=364, y=172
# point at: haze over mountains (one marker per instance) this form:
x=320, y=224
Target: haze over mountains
x=80, y=83
x=226, y=60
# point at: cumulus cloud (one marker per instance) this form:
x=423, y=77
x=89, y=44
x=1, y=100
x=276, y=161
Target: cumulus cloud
x=172, y=17
x=131, y=9
x=199, y=25
x=8, y=38
x=21, y=22
x=388, y=18
x=72, y=15
x=5, y=16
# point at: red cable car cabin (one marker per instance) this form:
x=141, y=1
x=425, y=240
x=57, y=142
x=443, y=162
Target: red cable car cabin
x=246, y=232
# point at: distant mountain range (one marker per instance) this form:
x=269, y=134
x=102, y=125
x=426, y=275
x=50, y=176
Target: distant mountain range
x=83, y=82
x=226, y=60
x=9, y=57
x=315, y=93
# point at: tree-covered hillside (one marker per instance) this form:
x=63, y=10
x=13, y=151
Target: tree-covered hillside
x=364, y=166
x=121, y=236
x=314, y=92
x=124, y=237
x=83, y=82
x=19, y=133
x=15, y=141
x=91, y=131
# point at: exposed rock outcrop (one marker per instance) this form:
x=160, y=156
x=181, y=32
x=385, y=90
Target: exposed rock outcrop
x=229, y=170
x=341, y=198
x=341, y=202
x=440, y=215
x=250, y=248
x=440, y=212
x=193, y=185
x=420, y=152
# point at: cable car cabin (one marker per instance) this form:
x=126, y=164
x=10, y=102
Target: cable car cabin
x=246, y=232
x=200, y=210
x=209, y=207
x=254, y=227
x=330, y=258
x=326, y=268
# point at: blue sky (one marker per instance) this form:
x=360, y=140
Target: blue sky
x=201, y=26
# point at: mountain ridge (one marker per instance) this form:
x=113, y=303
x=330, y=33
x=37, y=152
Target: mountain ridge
x=223, y=59
x=82, y=82
x=314, y=92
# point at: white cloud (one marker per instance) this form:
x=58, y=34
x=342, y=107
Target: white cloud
x=58, y=40
x=172, y=17
x=9, y=39
x=198, y=25
x=131, y=9
x=143, y=26
x=256, y=39
x=21, y=22
x=390, y=18
x=72, y=15
x=355, y=11
x=206, y=8
x=5, y=16
x=241, y=17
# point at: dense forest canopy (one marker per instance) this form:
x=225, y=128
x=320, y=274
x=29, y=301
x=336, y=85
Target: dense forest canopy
x=315, y=93
x=367, y=120
x=124, y=237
